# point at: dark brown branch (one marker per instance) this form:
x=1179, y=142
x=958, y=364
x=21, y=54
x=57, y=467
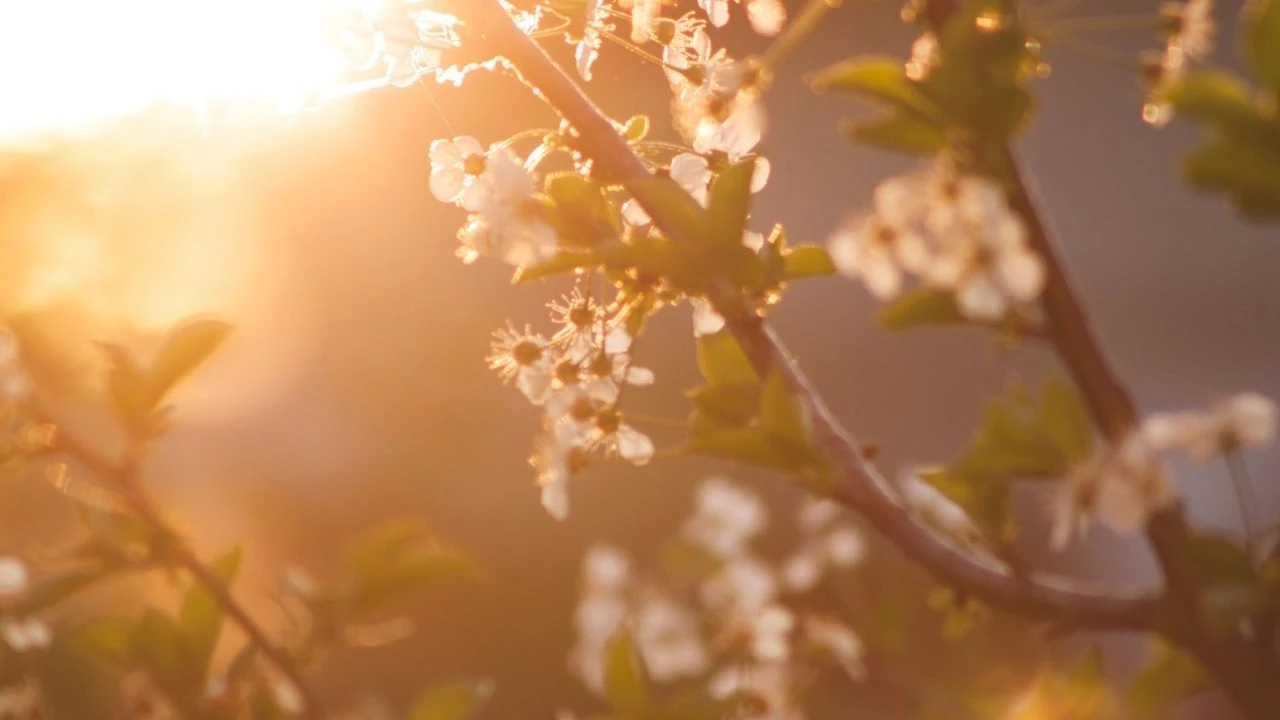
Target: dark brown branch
x=859, y=485
x=122, y=478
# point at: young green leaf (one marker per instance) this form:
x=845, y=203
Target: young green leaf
x=626, y=680
x=1264, y=41
x=1066, y=419
x=803, y=261
x=107, y=639
x=921, y=307
x=163, y=650
x=187, y=346
x=1169, y=676
x=781, y=414
x=880, y=80
x=728, y=205
x=457, y=700
x=901, y=133
x=722, y=361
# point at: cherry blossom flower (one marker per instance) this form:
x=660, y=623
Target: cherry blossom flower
x=706, y=321
x=612, y=367
x=925, y=55
x=827, y=543
x=14, y=579
x=767, y=17
x=1121, y=487
x=455, y=166
x=522, y=356
x=725, y=518
x=717, y=11
x=644, y=13
x=581, y=321
x=668, y=638
x=1190, y=31
x=877, y=253
x=742, y=587
x=25, y=634
x=612, y=435
x=770, y=632
x=605, y=569
x=1245, y=419
x=839, y=641
x=684, y=43
x=771, y=685
x=505, y=224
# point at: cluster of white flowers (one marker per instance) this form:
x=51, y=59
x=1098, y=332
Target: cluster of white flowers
x=717, y=100
x=404, y=40
x=1126, y=484
x=20, y=633
x=667, y=634
x=1189, y=29
x=766, y=16
x=577, y=377
x=739, y=635
x=955, y=232
x=499, y=192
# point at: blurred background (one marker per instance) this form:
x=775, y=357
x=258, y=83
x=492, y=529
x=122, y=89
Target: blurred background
x=354, y=388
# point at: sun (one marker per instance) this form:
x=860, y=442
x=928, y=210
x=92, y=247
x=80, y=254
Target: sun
x=69, y=65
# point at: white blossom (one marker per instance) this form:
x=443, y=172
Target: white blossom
x=668, y=638
x=839, y=641
x=741, y=587
x=767, y=17
x=456, y=164
x=877, y=253
x=925, y=55
x=726, y=517
x=1245, y=419
x=595, y=18
x=717, y=11
x=612, y=367
x=606, y=569
x=770, y=684
x=524, y=357
x=827, y=542
x=25, y=634
x=14, y=578
x=706, y=321
x=771, y=633
x=612, y=435
x=1121, y=487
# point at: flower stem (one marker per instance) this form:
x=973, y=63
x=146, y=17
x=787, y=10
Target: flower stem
x=1245, y=497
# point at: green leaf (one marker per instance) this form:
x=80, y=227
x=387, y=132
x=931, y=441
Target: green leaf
x=636, y=128
x=781, y=414
x=728, y=204
x=129, y=390
x=201, y=614
x=921, y=307
x=393, y=561
x=672, y=209
x=750, y=446
x=163, y=651
x=626, y=680
x=732, y=404
x=187, y=346
x=1247, y=171
x=1264, y=41
x=899, y=133
x=1167, y=678
x=880, y=80
x=563, y=262
x=1012, y=443
x=804, y=261
x=107, y=639
x=722, y=361
x=1218, y=99
x=583, y=216
x=76, y=684
x=1066, y=419
x=458, y=700
x=986, y=500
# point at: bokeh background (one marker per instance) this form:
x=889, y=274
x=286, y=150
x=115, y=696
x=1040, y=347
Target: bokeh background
x=354, y=388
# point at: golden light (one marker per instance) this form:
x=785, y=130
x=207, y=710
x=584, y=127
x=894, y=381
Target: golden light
x=69, y=64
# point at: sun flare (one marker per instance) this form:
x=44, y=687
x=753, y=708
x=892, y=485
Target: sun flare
x=69, y=65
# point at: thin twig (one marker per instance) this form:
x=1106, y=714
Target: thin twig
x=122, y=477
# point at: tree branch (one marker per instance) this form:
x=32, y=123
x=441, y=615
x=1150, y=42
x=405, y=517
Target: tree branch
x=859, y=485
x=122, y=478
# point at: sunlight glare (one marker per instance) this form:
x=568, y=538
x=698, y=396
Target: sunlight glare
x=71, y=64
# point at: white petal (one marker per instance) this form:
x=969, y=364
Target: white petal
x=692, y=173
x=766, y=16
x=446, y=183
x=607, y=568
x=634, y=214
x=706, y=321
x=535, y=382
x=880, y=273
x=618, y=341
x=555, y=498
x=1252, y=418
x=1022, y=274
x=753, y=241
x=980, y=299
x=634, y=446
x=14, y=578
x=639, y=376
x=1120, y=505
x=468, y=146
x=802, y=571
x=760, y=175
x=445, y=153
x=845, y=547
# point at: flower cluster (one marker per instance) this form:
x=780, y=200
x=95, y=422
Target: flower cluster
x=735, y=632
x=20, y=634
x=499, y=192
x=955, y=232
x=1189, y=36
x=405, y=41
x=577, y=377
x=1126, y=484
